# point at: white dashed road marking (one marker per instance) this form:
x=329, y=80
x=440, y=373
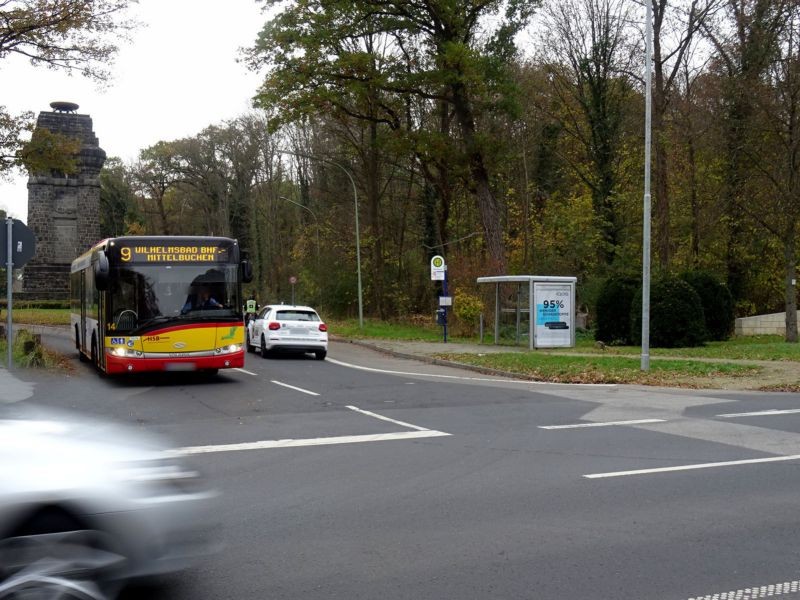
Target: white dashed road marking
x=761, y=413
x=731, y=463
x=606, y=424
x=326, y=441
x=401, y=423
x=291, y=387
x=245, y=371
x=754, y=593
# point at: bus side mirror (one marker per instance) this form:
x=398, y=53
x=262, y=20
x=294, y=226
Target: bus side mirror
x=247, y=271
x=101, y=272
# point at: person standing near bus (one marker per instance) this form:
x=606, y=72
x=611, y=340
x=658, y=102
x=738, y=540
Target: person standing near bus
x=251, y=308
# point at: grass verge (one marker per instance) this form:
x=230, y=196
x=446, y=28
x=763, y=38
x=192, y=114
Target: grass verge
x=27, y=352
x=38, y=316
x=605, y=369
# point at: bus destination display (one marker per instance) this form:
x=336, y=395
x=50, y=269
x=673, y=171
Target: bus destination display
x=173, y=254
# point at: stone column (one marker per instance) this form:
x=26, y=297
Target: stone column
x=63, y=210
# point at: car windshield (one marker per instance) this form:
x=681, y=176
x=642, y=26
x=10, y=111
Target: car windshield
x=296, y=315
x=144, y=294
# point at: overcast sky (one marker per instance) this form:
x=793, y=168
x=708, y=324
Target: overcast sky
x=176, y=76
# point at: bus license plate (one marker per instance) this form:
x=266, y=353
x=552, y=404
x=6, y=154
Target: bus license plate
x=181, y=366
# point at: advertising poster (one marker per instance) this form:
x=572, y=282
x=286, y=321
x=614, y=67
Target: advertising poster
x=554, y=321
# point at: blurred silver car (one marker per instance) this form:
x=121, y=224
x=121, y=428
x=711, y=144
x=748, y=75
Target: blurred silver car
x=287, y=328
x=91, y=507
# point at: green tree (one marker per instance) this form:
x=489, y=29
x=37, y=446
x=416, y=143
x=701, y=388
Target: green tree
x=79, y=36
x=587, y=40
x=745, y=39
x=118, y=208
x=316, y=58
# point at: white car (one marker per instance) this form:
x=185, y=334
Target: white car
x=283, y=327
x=85, y=508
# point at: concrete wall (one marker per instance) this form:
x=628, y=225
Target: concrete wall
x=774, y=324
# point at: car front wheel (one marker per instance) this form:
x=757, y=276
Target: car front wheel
x=248, y=342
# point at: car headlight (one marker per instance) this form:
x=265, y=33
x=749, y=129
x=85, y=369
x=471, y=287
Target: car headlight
x=159, y=478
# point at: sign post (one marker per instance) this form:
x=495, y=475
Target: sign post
x=17, y=247
x=9, y=283
x=439, y=273
x=292, y=280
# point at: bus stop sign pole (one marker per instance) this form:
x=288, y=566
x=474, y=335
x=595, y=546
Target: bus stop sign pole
x=9, y=282
x=17, y=247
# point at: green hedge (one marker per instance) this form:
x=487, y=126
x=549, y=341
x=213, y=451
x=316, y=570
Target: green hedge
x=613, y=310
x=35, y=303
x=676, y=315
x=717, y=303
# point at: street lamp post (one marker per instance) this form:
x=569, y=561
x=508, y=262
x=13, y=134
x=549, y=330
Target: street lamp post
x=645, y=365
x=313, y=214
x=358, y=236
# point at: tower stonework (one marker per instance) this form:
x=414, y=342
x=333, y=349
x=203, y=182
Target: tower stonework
x=63, y=210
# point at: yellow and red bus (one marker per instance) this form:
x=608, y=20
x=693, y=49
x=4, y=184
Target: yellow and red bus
x=141, y=303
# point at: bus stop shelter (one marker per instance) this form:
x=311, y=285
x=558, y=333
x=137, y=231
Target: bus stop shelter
x=550, y=308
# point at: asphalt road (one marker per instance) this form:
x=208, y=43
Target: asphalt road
x=408, y=481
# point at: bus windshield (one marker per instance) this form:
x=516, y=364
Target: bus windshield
x=141, y=295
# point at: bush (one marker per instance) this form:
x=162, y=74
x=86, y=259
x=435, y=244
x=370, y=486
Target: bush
x=614, y=309
x=717, y=303
x=676, y=315
x=467, y=309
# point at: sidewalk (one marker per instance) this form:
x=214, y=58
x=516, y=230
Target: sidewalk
x=12, y=389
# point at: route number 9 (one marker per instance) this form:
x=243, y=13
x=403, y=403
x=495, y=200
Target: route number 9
x=125, y=253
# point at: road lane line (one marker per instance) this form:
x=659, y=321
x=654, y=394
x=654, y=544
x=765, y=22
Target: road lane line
x=605, y=424
x=382, y=418
x=731, y=463
x=761, y=413
x=291, y=387
x=755, y=592
x=462, y=378
x=245, y=371
x=326, y=441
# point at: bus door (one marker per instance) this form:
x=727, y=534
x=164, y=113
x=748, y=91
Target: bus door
x=83, y=326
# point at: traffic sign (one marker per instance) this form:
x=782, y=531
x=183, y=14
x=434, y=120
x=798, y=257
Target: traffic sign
x=23, y=244
x=438, y=267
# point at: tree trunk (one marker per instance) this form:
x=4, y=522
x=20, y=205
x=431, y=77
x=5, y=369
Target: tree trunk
x=661, y=195
x=790, y=263
x=487, y=203
x=373, y=207
x=693, y=201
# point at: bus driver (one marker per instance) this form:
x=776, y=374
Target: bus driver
x=199, y=300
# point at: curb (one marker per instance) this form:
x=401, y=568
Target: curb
x=445, y=363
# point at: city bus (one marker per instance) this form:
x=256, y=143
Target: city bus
x=167, y=303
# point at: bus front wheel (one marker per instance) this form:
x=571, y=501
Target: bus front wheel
x=95, y=361
x=81, y=355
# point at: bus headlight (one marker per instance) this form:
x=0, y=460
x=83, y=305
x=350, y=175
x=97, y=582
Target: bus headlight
x=120, y=351
x=229, y=349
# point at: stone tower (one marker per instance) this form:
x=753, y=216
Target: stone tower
x=63, y=210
